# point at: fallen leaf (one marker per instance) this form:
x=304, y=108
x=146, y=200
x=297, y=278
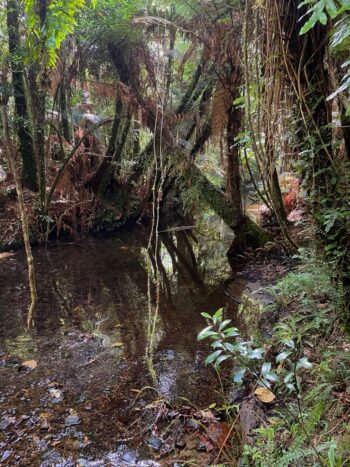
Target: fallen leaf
x=206, y=414
x=30, y=364
x=218, y=433
x=264, y=394
x=205, y=444
x=117, y=344
x=55, y=443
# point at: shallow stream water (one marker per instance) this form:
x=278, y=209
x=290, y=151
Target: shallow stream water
x=88, y=344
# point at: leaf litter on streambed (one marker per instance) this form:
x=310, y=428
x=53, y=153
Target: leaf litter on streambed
x=56, y=428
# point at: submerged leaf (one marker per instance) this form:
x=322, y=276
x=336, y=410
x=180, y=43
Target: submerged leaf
x=30, y=364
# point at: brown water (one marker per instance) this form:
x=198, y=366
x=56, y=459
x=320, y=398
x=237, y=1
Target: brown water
x=88, y=395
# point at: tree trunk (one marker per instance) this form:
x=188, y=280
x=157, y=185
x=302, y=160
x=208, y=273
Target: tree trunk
x=224, y=208
x=345, y=122
x=38, y=104
x=102, y=170
x=234, y=126
x=25, y=229
x=26, y=148
x=66, y=126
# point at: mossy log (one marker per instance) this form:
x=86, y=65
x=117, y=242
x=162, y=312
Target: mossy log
x=254, y=235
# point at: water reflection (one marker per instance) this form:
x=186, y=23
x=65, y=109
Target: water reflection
x=93, y=306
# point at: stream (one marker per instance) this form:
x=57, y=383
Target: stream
x=76, y=389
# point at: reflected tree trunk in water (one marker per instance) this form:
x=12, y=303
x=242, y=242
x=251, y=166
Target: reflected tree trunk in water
x=180, y=260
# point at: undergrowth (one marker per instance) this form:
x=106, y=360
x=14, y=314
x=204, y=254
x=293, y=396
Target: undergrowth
x=307, y=402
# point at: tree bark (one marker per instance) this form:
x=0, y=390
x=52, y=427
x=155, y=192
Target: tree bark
x=63, y=101
x=26, y=147
x=25, y=229
x=38, y=104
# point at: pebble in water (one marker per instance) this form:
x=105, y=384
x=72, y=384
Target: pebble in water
x=72, y=420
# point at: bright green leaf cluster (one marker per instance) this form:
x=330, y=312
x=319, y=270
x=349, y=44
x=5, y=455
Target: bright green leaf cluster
x=45, y=39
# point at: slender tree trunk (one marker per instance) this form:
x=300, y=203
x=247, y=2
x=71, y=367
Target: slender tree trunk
x=63, y=102
x=234, y=126
x=38, y=104
x=102, y=170
x=26, y=148
x=25, y=229
x=345, y=122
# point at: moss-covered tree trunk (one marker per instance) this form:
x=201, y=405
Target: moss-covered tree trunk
x=26, y=148
x=224, y=208
x=234, y=126
x=37, y=87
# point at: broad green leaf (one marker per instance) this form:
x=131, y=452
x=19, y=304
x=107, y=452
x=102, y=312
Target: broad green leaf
x=307, y=26
x=290, y=344
x=271, y=377
x=331, y=453
x=266, y=368
x=256, y=354
x=221, y=359
x=231, y=332
x=304, y=363
x=206, y=332
x=230, y=347
x=218, y=316
x=341, y=88
x=288, y=378
x=224, y=324
x=213, y=356
x=218, y=345
x=331, y=8
x=239, y=375
x=282, y=356
x=290, y=386
x=207, y=315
